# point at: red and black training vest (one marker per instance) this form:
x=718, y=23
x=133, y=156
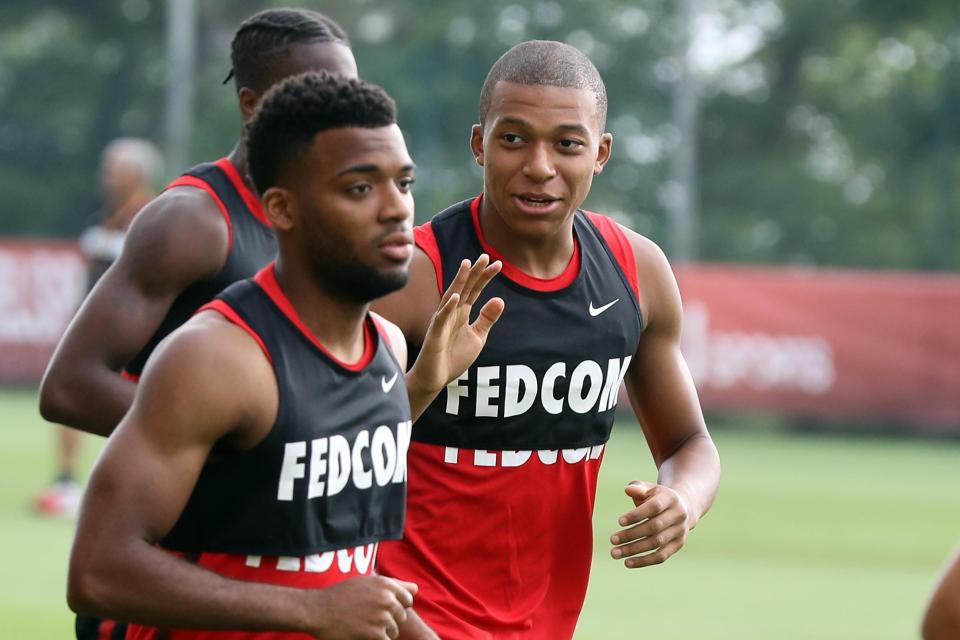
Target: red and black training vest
x=252, y=245
x=504, y=463
x=308, y=505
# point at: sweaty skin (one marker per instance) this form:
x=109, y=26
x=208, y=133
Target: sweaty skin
x=177, y=239
x=544, y=143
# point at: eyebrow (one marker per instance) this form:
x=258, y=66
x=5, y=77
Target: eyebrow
x=372, y=168
x=520, y=122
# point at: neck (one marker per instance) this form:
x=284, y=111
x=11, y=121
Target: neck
x=239, y=159
x=336, y=323
x=543, y=256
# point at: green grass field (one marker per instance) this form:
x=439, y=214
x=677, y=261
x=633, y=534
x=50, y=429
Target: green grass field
x=811, y=538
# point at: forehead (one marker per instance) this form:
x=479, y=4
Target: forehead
x=333, y=57
x=336, y=150
x=543, y=106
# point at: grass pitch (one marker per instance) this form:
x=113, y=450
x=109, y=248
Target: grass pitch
x=811, y=538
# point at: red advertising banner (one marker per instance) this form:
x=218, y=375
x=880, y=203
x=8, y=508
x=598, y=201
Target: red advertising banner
x=881, y=346
x=41, y=286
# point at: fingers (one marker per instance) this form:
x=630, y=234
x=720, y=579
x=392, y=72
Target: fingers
x=411, y=587
x=657, y=557
x=459, y=280
x=404, y=591
x=480, y=275
x=651, y=542
x=639, y=490
x=649, y=505
x=489, y=314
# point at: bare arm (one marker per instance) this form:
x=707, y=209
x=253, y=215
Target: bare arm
x=942, y=618
x=209, y=382
x=665, y=401
x=179, y=238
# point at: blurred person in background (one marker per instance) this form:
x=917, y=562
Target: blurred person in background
x=503, y=466
x=129, y=170
x=942, y=618
x=206, y=231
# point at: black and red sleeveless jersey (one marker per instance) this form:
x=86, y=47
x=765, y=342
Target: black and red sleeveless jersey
x=504, y=462
x=308, y=505
x=252, y=245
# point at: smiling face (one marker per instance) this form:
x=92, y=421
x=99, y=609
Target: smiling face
x=540, y=148
x=346, y=206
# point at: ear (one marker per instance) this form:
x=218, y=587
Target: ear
x=248, y=100
x=603, y=152
x=476, y=143
x=280, y=208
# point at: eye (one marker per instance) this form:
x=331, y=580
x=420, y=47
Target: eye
x=570, y=145
x=511, y=138
x=406, y=183
x=360, y=189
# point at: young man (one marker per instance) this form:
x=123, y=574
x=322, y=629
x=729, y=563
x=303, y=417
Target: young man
x=129, y=171
x=503, y=465
x=264, y=456
x=205, y=232
x=942, y=618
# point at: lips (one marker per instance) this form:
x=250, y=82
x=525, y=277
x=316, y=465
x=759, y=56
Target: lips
x=397, y=246
x=536, y=203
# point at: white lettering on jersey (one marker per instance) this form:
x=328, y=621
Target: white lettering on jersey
x=336, y=463
x=509, y=458
x=358, y=560
x=514, y=389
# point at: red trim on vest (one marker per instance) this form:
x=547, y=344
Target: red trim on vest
x=132, y=377
x=193, y=181
x=620, y=246
x=224, y=309
x=249, y=197
x=514, y=273
x=423, y=237
x=267, y=279
x=105, y=629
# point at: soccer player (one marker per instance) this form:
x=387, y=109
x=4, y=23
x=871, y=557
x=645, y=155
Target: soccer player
x=206, y=231
x=942, y=618
x=504, y=463
x=129, y=169
x=264, y=456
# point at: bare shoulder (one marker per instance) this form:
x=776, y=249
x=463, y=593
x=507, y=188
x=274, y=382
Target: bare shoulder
x=412, y=307
x=181, y=236
x=212, y=371
x=660, y=295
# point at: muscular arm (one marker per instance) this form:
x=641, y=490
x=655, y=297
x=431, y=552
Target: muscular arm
x=665, y=401
x=209, y=382
x=942, y=618
x=179, y=238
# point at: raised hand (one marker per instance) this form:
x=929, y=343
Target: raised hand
x=452, y=343
x=660, y=522
x=361, y=608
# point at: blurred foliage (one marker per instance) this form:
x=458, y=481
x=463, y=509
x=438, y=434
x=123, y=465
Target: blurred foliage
x=827, y=133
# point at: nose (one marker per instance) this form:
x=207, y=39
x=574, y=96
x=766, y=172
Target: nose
x=397, y=205
x=539, y=164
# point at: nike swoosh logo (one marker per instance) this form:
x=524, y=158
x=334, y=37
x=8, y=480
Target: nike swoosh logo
x=595, y=311
x=386, y=385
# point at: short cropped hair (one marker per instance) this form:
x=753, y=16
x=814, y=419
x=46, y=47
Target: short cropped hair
x=270, y=33
x=140, y=153
x=545, y=62
x=298, y=108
